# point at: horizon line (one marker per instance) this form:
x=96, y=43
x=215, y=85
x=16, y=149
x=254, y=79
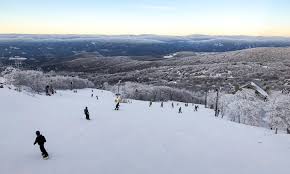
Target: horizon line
x=169, y=35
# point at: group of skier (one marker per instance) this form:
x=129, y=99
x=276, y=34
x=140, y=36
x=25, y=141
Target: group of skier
x=40, y=139
x=49, y=90
x=196, y=107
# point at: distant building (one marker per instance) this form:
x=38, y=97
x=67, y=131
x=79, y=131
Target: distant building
x=258, y=90
x=18, y=61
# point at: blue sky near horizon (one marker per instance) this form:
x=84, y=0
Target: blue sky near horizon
x=167, y=17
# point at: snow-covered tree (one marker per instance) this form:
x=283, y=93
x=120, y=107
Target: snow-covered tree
x=37, y=80
x=243, y=107
x=278, y=111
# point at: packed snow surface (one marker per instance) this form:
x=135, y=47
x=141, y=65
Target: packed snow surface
x=134, y=140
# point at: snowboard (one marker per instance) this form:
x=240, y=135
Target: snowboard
x=45, y=158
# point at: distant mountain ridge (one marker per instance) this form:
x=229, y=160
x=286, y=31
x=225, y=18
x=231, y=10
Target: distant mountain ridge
x=42, y=47
x=270, y=67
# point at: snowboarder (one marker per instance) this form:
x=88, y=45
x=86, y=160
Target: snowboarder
x=117, y=106
x=87, y=113
x=179, y=110
x=40, y=140
x=92, y=95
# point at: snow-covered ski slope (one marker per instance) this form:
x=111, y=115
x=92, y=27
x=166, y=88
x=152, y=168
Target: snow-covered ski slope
x=135, y=140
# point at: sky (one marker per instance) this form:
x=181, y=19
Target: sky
x=163, y=17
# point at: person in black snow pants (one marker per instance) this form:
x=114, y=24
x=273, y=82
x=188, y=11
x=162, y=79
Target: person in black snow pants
x=87, y=113
x=40, y=140
x=117, y=106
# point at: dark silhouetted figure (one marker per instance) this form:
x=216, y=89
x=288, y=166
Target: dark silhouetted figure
x=87, y=113
x=179, y=110
x=195, y=107
x=117, y=106
x=150, y=103
x=47, y=90
x=172, y=105
x=40, y=140
x=162, y=104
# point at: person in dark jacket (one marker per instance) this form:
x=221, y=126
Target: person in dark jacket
x=179, y=110
x=40, y=140
x=150, y=103
x=47, y=90
x=87, y=113
x=195, y=107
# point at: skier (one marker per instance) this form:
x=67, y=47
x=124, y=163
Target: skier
x=150, y=103
x=47, y=90
x=172, y=105
x=51, y=90
x=195, y=108
x=161, y=104
x=97, y=97
x=40, y=140
x=179, y=110
x=117, y=106
x=87, y=113
x=92, y=95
